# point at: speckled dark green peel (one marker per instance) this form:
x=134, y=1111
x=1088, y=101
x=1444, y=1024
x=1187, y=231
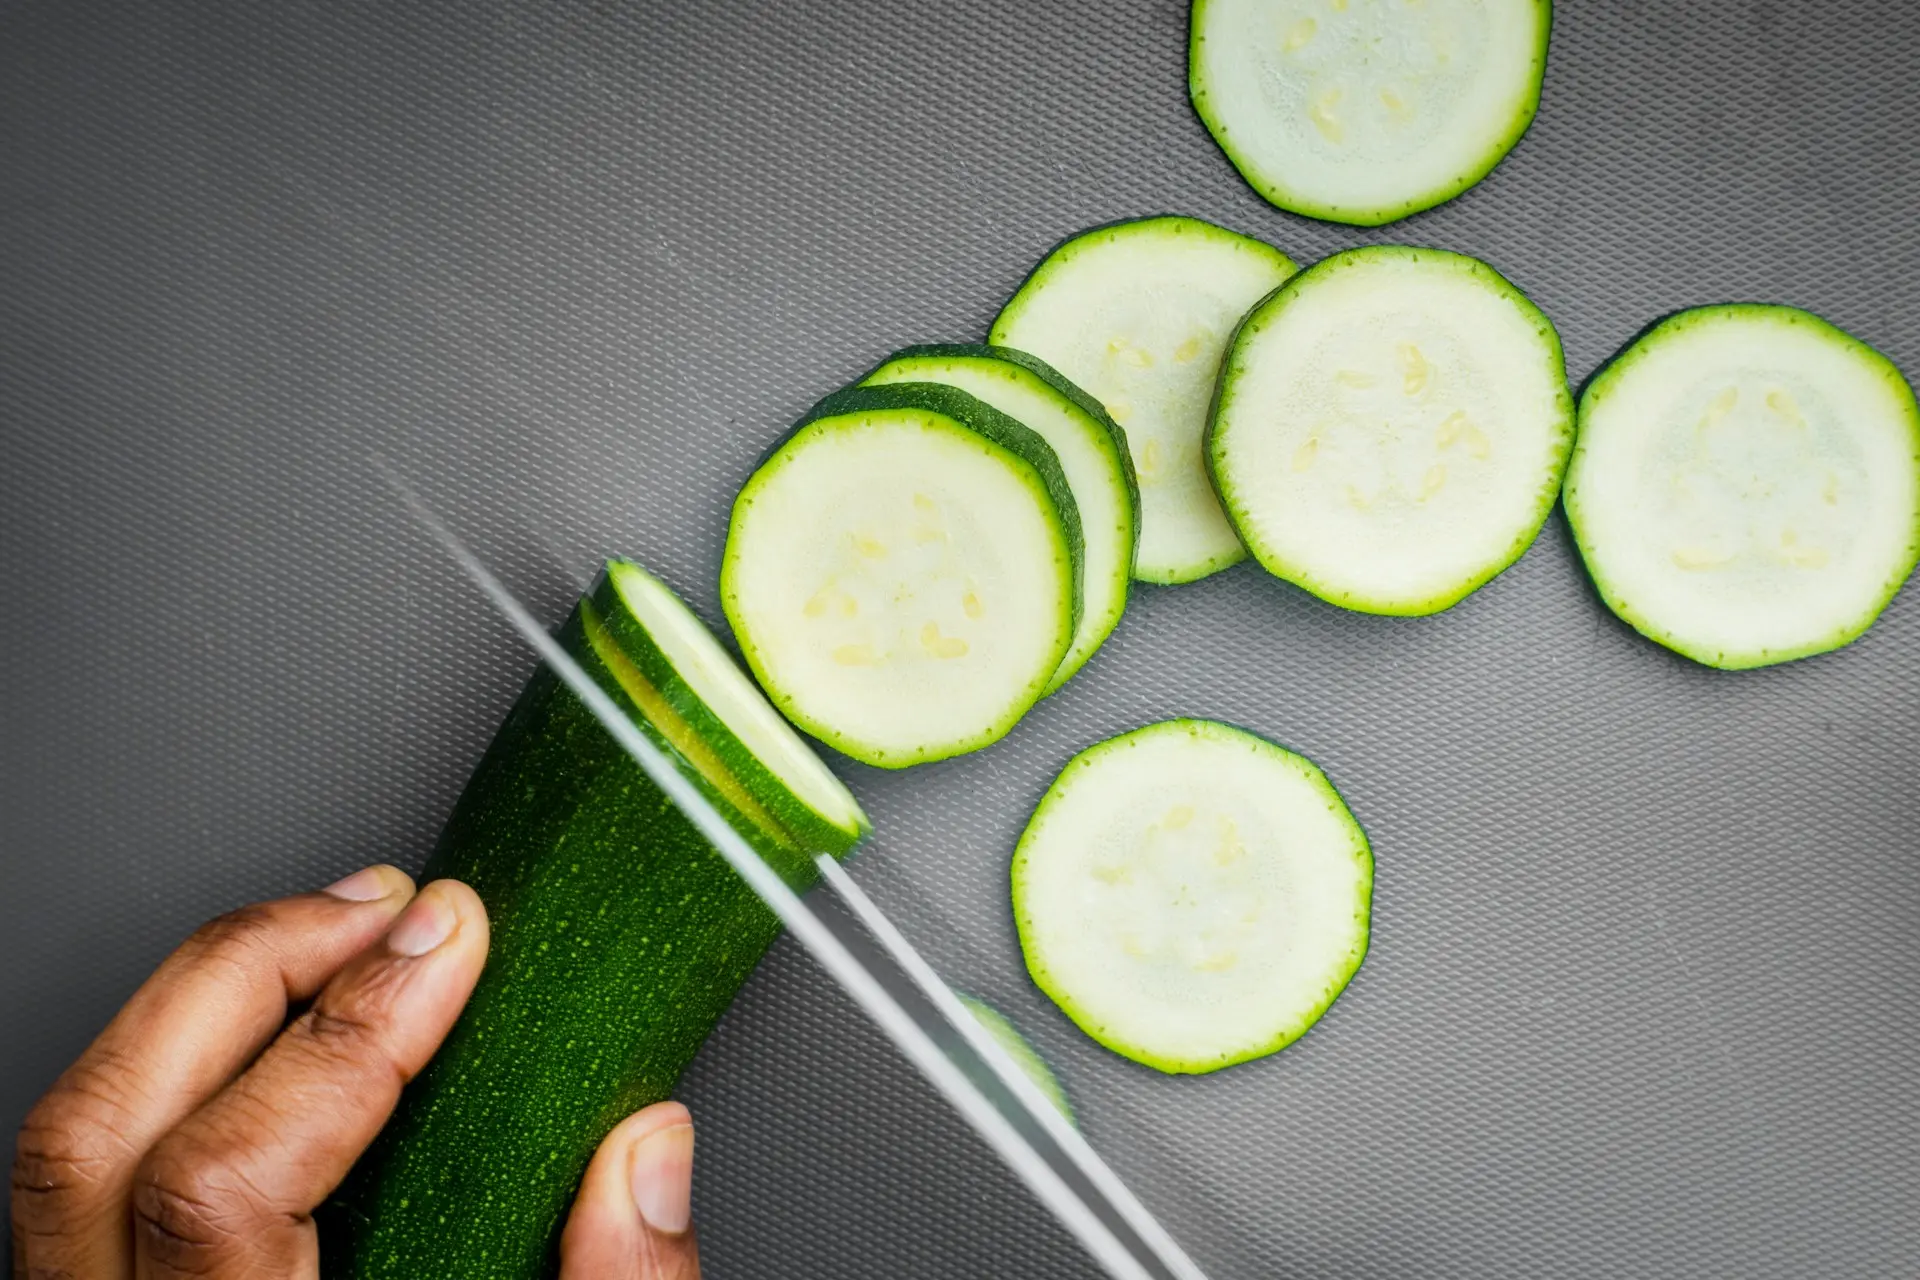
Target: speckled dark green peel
x=619, y=938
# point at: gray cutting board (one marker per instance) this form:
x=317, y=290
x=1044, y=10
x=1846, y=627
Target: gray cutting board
x=1642, y=999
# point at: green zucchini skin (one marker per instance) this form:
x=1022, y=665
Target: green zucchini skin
x=619, y=938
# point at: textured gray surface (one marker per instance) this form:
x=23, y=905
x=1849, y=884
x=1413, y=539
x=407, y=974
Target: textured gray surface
x=1643, y=993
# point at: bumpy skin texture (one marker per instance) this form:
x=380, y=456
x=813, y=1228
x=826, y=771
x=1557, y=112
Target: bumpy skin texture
x=619, y=938
x=1274, y=191
x=1622, y=366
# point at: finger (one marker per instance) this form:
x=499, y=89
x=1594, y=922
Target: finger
x=633, y=1217
x=191, y=1028
x=229, y=1192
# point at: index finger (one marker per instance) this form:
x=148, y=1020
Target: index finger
x=193, y=1026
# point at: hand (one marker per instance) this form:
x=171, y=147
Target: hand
x=197, y=1135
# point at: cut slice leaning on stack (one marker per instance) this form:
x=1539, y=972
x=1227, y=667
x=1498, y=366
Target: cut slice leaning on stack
x=1092, y=453
x=903, y=572
x=1746, y=488
x=1138, y=313
x=1366, y=112
x=1391, y=427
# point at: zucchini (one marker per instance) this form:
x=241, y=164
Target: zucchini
x=1746, y=486
x=903, y=572
x=1138, y=313
x=1092, y=452
x=1024, y=1055
x=619, y=938
x=1366, y=112
x=1391, y=427
x=1192, y=895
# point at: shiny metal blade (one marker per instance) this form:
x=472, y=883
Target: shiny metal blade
x=1088, y=1210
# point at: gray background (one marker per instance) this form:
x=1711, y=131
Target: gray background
x=1642, y=998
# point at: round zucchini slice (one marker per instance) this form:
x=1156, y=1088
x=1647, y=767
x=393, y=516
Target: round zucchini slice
x=903, y=572
x=1746, y=486
x=1024, y=1055
x=1364, y=111
x=1391, y=428
x=1192, y=895
x=1092, y=452
x=1138, y=313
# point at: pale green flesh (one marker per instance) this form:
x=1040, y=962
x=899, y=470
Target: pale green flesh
x=1746, y=487
x=1391, y=428
x=758, y=730
x=1138, y=314
x=1095, y=474
x=1364, y=111
x=902, y=588
x=1191, y=895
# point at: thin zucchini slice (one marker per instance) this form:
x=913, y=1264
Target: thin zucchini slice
x=1746, y=486
x=903, y=572
x=619, y=937
x=677, y=674
x=1138, y=313
x=1391, y=428
x=1024, y=1055
x=1364, y=111
x=1192, y=895
x=1092, y=452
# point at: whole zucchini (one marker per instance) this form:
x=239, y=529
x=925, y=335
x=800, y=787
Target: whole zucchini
x=619, y=938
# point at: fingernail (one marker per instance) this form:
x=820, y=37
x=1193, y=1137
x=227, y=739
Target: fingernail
x=663, y=1179
x=427, y=922
x=367, y=885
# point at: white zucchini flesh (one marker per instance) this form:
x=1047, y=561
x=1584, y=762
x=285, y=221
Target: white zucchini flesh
x=1746, y=486
x=735, y=701
x=1392, y=428
x=1364, y=111
x=1138, y=314
x=1096, y=469
x=902, y=587
x=1192, y=895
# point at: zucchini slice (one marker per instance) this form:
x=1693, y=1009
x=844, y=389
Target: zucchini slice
x=903, y=572
x=1391, y=428
x=1092, y=452
x=1138, y=313
x=1746, y=486
x=1024, y=1055
x=1192, y=895
x=1366, y=111
x=683, y=682
x=619, y=938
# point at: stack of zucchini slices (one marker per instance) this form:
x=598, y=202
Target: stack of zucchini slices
x=931, y=551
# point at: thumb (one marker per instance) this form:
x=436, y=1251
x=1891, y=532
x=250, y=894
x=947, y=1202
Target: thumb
x=632, y=1219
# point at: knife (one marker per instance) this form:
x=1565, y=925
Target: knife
x=1081, y=1191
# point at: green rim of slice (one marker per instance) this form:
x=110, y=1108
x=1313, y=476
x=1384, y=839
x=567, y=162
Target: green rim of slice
x=1092, y=451
x=1218, y=932
x=1732, y=597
